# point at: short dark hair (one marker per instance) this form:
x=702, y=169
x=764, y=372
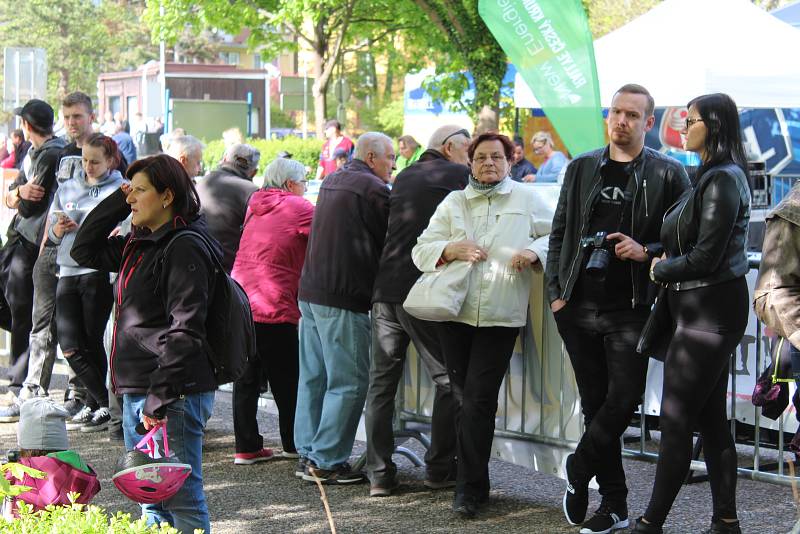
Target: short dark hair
x=636, y=89
x=19, y=134
x=73, y=99
x=166, y=172
x=108, y=145
x=519, y=142
x=508, y=146
x=723, y=141
x=334, y=122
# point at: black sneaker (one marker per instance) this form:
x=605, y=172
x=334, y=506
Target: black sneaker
x=73, y=406
x=576, y=496
x=83, y=416
x=606, y=519
x=115, y=433
x=99, y=421
x=646, y=528
x=341, y=474
x=465, y=505
x=723, y=527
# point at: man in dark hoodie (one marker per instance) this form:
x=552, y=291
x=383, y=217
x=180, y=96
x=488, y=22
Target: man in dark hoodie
x=224, y=194
x=417, y=192
x=30, y=194
x=336, y=283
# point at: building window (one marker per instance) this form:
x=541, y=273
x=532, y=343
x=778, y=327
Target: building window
x=257, y=61
x=229, y=58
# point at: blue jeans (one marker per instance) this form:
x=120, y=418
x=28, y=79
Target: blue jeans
x=334, y=375
x=186, y=422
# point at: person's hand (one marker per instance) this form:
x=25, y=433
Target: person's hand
x=64, y=226
x=150, y=422
x=31, y=191
x=529, y=178
x=523, y=259
x=115, y=232
x=557, y=305
x=126, y=189
x=627, y=248
x=465, y=251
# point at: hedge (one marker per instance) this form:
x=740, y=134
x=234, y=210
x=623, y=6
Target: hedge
x=305, y=151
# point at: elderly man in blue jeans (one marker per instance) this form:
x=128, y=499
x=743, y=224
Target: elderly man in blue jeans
x=335, y=295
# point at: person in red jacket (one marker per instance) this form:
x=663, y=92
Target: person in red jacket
x=268, y=264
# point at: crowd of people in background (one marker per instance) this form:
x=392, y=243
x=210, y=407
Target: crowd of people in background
x=327, y=284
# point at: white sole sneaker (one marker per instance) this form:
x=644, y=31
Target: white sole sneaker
x=619, y=525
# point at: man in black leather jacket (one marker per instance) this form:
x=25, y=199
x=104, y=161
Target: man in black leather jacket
x=623, y=191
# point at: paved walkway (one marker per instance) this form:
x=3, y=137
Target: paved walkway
x=267, y=498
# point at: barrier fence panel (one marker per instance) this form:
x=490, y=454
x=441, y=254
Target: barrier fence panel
x=539, y=421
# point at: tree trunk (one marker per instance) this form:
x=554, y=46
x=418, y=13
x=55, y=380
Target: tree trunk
x=63, y=84
x=488, y=120
x=390, y=66
x=319, y=90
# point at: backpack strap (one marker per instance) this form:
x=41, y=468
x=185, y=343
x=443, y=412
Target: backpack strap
x=209, y=247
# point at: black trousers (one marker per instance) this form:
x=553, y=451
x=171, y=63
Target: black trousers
x=277, y=364
x=18, y=266
x=392, y=331
x=710, y=324
x=477, y=360
x=611, y=379
x=83, y=306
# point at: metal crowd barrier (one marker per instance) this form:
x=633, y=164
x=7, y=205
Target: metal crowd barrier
x=538, y=420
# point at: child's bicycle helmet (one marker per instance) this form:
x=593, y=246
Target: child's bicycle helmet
x=145, y=479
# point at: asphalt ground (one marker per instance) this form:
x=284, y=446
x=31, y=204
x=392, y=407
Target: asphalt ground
x=267, y=498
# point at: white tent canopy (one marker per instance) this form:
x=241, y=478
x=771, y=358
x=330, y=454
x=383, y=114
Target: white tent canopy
x=684, y=48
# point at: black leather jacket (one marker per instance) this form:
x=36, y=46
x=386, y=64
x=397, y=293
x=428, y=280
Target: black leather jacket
x=658, y=183
x=705, y=233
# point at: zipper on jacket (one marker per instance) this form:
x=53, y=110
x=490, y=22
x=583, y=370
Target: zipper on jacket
x=678, y=235
x=117, y=309
x=633, y=217
x=480, y=279
x=580, y=235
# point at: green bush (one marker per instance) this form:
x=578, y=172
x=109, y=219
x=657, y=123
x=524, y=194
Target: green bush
x=78, y=519
x=304, y=151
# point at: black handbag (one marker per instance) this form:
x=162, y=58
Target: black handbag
x=658, y=330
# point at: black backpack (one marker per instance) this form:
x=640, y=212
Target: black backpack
x=230, y=333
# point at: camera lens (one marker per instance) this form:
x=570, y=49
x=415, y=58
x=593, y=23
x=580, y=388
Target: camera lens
x=597, y=265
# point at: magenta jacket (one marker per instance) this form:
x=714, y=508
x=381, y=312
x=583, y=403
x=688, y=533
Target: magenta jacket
x=271, y=254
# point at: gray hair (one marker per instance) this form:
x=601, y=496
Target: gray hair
x=542, y=135
x=243, y=157
x=283, y=170
x=186, y=145
x=374, y=142
x=443, y=132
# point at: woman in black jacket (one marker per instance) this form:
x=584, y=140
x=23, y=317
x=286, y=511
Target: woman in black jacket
x=158, y=360
x=704, y=236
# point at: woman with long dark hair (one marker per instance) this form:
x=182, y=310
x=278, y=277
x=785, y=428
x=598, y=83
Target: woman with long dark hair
x=704, y=236
x=159, y=361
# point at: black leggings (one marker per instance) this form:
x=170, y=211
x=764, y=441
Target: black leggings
x=710, y=324
x=83, y=305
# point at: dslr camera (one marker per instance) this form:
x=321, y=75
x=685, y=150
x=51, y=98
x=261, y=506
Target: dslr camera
x=600, y=255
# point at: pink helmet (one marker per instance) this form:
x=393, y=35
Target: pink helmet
x=148, y=480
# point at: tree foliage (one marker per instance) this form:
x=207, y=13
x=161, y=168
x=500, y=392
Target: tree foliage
x=460, y=42
x=329, y=28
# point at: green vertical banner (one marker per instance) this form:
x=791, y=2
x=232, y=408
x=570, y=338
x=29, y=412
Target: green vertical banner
x=550, y=44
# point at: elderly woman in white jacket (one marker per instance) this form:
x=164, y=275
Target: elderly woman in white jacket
x=510, y=226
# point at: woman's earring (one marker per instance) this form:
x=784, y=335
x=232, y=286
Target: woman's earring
x=164, y=206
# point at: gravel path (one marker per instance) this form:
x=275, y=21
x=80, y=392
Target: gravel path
x=267, y=498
